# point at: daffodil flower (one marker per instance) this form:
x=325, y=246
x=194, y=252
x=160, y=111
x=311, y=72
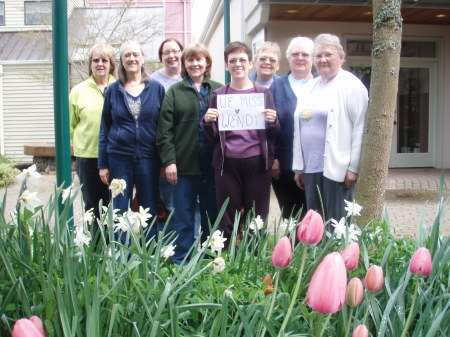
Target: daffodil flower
x=29, y=201
x=31, y=175
x=117, y=187
x=352, y=208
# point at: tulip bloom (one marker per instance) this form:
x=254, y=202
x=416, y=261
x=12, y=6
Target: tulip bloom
x=268, y=282
x=361, y=331
x=351, y=256
x=311, y=228
x=326, y=292
x=421, y=262
x=28, y=328
x=374, y=278
x=282, y=253
x=355, y=292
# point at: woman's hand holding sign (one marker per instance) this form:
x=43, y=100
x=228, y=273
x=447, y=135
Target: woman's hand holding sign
x=211, y=115
x=271, y=116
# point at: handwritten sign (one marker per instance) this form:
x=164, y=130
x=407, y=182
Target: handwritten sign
x=241, y=112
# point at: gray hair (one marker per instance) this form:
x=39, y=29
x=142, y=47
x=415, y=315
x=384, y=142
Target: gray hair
x=268, y=46
x=330, y=40
x=299, y=39
x=145, y=76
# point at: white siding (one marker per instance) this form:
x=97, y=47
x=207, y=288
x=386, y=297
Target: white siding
x=27, y=108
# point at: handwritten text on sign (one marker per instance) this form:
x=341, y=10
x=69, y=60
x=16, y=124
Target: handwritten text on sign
x=241, y=112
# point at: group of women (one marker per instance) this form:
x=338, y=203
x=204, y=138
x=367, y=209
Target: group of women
x=166, y=125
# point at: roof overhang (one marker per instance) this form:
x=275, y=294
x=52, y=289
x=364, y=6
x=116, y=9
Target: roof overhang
x=429, y=12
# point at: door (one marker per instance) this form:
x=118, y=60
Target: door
x=413, y=140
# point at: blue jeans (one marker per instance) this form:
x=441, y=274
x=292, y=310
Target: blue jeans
x=142, y=174
x=185, y=194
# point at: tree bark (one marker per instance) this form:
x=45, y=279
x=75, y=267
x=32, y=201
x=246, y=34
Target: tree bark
x=376, y=150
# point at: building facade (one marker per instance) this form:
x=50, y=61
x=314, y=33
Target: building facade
x=420, y=138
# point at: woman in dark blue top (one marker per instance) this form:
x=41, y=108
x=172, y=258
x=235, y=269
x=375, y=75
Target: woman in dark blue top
x=127, y=142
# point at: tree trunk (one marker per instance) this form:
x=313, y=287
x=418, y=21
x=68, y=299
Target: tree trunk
x=376, y=150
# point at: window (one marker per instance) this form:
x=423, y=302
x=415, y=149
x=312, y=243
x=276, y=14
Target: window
x=38, y=12
x=2, y=13
x=363, y=47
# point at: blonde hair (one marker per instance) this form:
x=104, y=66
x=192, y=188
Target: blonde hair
x=102, y=50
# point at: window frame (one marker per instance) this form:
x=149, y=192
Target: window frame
x=2, y=13
x=37, y=15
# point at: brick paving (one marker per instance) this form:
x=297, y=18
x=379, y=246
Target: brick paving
x=412, y=195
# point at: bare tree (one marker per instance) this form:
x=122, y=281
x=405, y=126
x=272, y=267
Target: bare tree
x=387, y=34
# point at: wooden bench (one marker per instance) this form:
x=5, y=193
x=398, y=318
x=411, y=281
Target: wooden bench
x=44, y=155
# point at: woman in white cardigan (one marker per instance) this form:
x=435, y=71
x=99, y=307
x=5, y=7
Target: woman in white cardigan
x=328, y=130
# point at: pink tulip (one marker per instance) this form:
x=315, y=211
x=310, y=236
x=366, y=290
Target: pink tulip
x=268, y=283
x=282, y=253
x=311, y=228
x=326, y=292
x=421, y=262
x=374, y=278
x=361, y=331
x=351, y=256
x=355, y=292
x=38, y=323
x=27, y=328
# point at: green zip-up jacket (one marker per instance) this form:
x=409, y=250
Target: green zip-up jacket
x=179, y=121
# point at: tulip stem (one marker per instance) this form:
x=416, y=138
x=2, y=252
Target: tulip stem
x=272, y=303
x=294, y=295
x=350, y=316
x=367, y=308
x=325, y=325
x=411, y=310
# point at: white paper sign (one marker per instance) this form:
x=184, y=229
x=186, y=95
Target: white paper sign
x=241, y=112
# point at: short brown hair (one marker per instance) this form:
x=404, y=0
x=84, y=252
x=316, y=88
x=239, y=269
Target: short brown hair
x=237, y=46
x=194, y=50
x=102, y=50
x=160, y=50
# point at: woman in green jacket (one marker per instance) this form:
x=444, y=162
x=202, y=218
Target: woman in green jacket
x=185, y=151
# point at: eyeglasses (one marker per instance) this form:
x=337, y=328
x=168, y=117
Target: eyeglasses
x=104, y=61
x=264, y=59
x=298, y=55
x=168, y=52
x=240, y=60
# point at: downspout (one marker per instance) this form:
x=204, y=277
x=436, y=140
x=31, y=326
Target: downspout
x=184, y=23
x=61, y=94
x=226, y=31
x=2, y=128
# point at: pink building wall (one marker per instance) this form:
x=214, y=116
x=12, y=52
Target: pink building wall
x=177, y=15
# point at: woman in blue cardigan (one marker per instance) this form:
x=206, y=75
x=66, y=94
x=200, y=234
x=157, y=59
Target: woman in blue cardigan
x=127, y=142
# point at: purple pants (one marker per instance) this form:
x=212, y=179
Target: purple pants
x=247, y=183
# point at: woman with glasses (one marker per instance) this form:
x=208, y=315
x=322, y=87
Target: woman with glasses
x=267, y=63
x=169, y=53
x=328, y=131
x=127, y=142
x=285, y=91
x=185, y=152
x=242, y=158
x=85, y=109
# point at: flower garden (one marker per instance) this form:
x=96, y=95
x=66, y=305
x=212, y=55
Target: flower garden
x=297, y=280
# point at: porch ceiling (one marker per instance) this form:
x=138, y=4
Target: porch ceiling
x=421, y=12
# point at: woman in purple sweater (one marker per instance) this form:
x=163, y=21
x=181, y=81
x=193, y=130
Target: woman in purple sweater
x=242, y=158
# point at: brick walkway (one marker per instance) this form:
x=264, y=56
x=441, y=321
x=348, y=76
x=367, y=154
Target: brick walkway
x=411, y=195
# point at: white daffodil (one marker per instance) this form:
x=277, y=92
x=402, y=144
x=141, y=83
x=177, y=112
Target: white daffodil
x=31, y=175
x=121, y=224
x=352, y=208
x=66, y=192
x=142, y=216
x=218, y=264
x=339, y=227
x=81, y=238
x=353, y=233
x=168, y=251
x=228, y=293
x=29, y=201
x=217, y=241
x=117, y=187
x=288, y=225
x=256, y=224
x=114, y=212
x=88, y=216
x=350, y=233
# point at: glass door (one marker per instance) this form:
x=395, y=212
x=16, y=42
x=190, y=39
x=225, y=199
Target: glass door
x=413, y=139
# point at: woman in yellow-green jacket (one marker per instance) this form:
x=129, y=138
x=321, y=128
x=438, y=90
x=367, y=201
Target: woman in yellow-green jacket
x=85, y=108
